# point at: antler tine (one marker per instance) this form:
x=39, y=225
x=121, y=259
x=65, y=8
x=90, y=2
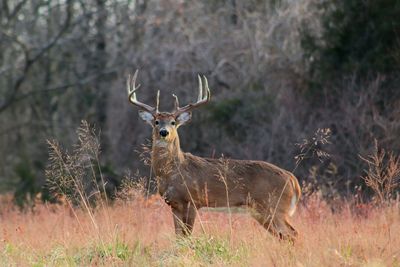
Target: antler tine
x=200, y=99
x=176, y=104
x=208, y=93
x=200, y=96
x=158, y=101
x=131, y=83
x=132, y=88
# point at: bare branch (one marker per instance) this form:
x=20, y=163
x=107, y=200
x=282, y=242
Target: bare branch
x=9, y=99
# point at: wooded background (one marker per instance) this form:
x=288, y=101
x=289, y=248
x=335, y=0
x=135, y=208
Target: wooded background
x=278, y=71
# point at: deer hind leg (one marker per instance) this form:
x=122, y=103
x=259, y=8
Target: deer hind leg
x=184, y=218
x=285, y=229
x=293, y=231
x=276, y=224
x=266, y=221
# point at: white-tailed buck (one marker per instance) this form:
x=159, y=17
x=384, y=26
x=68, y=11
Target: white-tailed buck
x=188, y=182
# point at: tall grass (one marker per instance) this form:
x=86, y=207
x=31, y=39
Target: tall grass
x=383, y=175
x=137, y=230
x=140, y=232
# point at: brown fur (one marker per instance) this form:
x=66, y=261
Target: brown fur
x=188, y=182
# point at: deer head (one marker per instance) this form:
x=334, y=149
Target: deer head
x=166, y=124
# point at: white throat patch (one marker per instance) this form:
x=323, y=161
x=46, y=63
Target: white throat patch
x=161, y=143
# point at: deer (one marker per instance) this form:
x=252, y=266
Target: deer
x=188, y=182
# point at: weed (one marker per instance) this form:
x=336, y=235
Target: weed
x=383, y=174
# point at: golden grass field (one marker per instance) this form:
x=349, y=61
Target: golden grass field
x=140, y=232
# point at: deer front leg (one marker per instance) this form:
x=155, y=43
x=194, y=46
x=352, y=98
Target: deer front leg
x=189, y=218
x=184, y=217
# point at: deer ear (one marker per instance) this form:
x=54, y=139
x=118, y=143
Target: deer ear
x=183, y=118
x=146, y=116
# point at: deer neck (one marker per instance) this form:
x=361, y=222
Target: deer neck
x=166, y=157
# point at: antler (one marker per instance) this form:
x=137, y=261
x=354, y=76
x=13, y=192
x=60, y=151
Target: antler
x=132, y=88
x=200, y=99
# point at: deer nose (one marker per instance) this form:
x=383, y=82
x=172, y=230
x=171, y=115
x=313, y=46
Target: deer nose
x=164, y=132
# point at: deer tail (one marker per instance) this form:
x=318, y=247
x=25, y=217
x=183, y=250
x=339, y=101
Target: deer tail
x=296, y=196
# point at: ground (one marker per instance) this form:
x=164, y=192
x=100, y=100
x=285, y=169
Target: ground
x=140, y=232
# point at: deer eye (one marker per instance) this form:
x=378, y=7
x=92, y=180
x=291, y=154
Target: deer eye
x=157, y=122
x=172, y=122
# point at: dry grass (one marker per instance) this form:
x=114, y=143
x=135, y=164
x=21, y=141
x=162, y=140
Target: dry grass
x=134, y=231
x=383, y=174
x=140, y=233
